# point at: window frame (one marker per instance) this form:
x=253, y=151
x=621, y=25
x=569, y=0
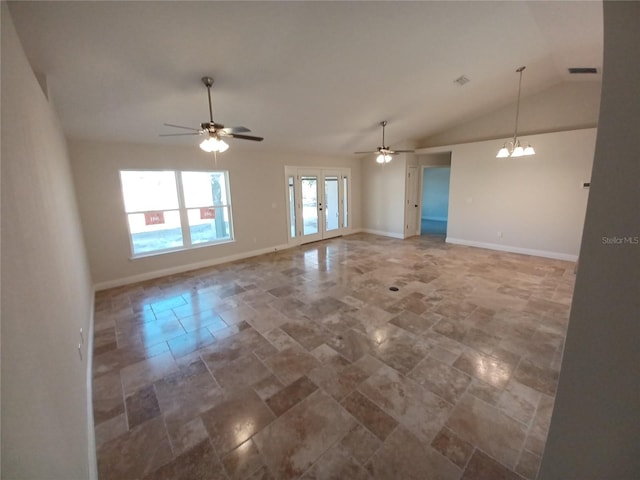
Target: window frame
x=185, y=227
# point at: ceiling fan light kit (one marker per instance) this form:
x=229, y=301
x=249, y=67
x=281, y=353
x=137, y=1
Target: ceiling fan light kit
x=514, y=148
x=385, y=154
x=213, y=143
x=382, y=158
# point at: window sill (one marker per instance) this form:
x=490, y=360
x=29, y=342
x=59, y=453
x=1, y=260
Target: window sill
x=179, y=249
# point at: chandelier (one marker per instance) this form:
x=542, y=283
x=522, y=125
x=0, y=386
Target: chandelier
x=514, y=147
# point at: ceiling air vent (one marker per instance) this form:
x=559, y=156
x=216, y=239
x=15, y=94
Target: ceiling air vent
x=582, y=70
x=461, y=80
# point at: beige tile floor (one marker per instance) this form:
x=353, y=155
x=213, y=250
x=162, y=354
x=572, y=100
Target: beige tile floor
x=304, y=364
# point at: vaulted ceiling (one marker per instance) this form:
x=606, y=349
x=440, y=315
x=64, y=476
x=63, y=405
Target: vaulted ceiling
x=313, y=77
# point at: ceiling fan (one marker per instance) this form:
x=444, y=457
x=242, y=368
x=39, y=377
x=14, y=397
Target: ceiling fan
x=384, y=152
x=214, y=132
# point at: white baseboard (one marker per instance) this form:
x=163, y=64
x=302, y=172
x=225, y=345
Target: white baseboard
x=511, y=249
x=185, y=268
x=384, y=234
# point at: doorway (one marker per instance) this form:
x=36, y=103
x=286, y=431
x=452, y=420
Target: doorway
x=317, y=203
x=434, y=214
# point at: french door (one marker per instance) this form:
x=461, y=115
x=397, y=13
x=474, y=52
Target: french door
x=317, y=203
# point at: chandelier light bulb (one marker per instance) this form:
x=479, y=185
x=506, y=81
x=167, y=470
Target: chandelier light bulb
x=212, y=144
x=222, y=146
x=503, y=152
x=529, y=150
x=206, y=145
x=518, y=151
x=380, y=158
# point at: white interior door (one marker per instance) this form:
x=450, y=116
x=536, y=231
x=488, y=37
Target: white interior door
x=317, y=203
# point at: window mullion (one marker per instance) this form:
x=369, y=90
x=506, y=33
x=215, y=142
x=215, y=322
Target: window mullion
x=184, y=218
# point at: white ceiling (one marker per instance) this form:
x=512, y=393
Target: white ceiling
x=308, y=76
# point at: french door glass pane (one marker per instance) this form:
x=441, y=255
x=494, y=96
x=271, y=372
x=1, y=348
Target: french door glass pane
x=345, y=204
x=209, y=224
x=309, y=205
x=292, y=206
x=155, y=230
x=331, y=207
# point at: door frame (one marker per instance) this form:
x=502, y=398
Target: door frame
x=321, y=173
x=413, y=205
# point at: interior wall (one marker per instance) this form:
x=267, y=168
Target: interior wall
x=565, y=106
x=533, y=204
x=596, y=418
x=440, y=159
x=46, y=287
x=435, y=193
x=258, y=196
x=383, y=196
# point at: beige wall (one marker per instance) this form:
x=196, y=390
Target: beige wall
x=383, y=193
x=565, y=106
x=46, y=288
x=258, y=193
x=596, y=420
x=537, y=202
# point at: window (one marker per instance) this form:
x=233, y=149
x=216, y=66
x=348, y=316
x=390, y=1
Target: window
x=173, y=210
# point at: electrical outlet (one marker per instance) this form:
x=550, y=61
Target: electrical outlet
x=499, y=234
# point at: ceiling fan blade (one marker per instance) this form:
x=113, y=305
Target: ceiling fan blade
x=366, y=152
x=229, y=130
x=245, y=137
x=403, y=151
x=180, y=126
x=176, y=134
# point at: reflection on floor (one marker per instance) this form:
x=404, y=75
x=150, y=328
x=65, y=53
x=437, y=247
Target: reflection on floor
x=304, y=364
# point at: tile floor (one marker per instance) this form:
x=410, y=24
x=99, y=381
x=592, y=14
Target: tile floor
x=304, y=364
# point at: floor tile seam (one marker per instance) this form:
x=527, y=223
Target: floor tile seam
x=471, y=377
x=220, y=457
x=533, y=424
x=438, y=452
x=124, y=403
x=362, y=424
x=500, y=411
x=512, y=470
x=264, y=401
x=166, y=430
x=520, y=453
x=382, y=442
x=206, y=366
x=340, y=439
x=285, y=333
x=262, y=455
x=473, y=451
x=391, y=414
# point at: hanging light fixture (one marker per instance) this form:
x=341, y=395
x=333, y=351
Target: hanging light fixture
x=514, y=148
x=383, y=158
x=213, y=144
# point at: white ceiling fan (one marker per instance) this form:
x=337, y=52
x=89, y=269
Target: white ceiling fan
x=384, y=152
x=214, y=132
